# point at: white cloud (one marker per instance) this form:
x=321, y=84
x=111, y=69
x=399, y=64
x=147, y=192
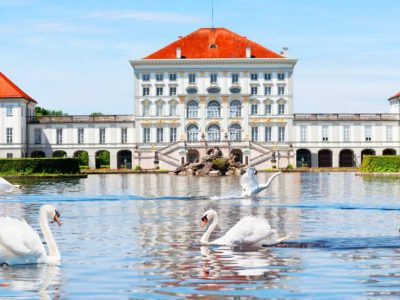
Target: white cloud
x=144, y=16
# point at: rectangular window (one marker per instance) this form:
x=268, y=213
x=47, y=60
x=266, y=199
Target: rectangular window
x=213, y=78
x=281, y=109
x=235, y=78
x=59, y=137
x=146, y=77
x=281, y=134
x=81, y=138
x=268, y=134
x=102, y=135
x=368, y=133
x=281, y=90
x=38, y=136
x=172, y=134
x=268, y=109
x=146, y=109
x=254, y=109
x=124, y=135
x=9, y=155
x=9, y=135
x=303, y=133
x=325, y=133
x=281, y=76
x=172, y=76
x=267, y=76
x=346, y=133
x=9, y=111
x=254, y=90
x=159, y=91
x=172, y=109
x=160, y=135
x=160, y=109
x=159, y=76
x=267, y=90
x=146, y=91
x=254, y=76
x=146, y=135
x=254, y=134
x=192, y=78
x=172, y=91
x=389, y=133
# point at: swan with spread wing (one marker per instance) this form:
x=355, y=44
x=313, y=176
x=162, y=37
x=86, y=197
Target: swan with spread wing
x=248, y=232
x=21, y=244
x=250, y=184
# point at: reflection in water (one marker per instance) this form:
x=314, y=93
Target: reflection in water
x=45, y=281
x=137, y=236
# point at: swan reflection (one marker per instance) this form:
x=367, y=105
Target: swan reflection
x=45, y=280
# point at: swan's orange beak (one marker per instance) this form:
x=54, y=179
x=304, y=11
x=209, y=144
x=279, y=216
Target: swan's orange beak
x=204, y=221
x=57, y=219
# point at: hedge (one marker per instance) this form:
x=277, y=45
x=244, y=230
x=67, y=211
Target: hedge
x=380, y=164
x=26, y=166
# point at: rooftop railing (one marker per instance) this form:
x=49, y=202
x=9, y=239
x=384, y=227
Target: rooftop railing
x=81, y=119
x=346, y=117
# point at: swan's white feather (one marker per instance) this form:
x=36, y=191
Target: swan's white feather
x=19, y=242
x=249, y=231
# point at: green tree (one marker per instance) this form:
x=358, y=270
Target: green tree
x=40, y=111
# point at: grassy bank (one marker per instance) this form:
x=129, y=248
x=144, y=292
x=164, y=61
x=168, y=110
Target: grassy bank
x=380, y=164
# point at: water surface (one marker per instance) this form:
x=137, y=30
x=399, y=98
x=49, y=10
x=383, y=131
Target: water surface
x=136, y=236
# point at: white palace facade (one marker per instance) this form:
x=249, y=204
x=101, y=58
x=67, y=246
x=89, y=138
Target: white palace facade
x=211, y=88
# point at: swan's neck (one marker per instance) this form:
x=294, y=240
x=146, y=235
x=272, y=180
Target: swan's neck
x=54, y=254
x=206, y=236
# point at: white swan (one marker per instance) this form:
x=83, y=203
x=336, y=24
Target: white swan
x=250, y=185
x=248, y=232
x=21, y=244
x=7, y=187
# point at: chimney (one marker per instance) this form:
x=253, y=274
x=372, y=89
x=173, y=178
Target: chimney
x=285, y=51
x=178, y=53
x=248, y=52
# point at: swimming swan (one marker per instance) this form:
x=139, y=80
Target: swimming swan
x=21, y=244
x=250, y=185
x=248, y=232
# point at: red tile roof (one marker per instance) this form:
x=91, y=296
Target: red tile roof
x=213, y=43
x=8, y=89
x=395, y=96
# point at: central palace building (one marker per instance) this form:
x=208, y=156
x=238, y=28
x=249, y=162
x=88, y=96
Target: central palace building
x=211, y=88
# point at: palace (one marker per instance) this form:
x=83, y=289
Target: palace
x=211, y=88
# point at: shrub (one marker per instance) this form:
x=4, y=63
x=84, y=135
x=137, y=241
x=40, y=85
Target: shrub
x=220, y=164
x=26, y=166
x=289, y=167
x=385, y=163
x=138, y=168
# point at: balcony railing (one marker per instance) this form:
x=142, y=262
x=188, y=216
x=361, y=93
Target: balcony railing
x=346, y=117
x=81, y=119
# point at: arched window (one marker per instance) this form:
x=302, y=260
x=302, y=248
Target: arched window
x=192, y=109
x=235, y=133
x=214, y=133
x=213, y=109
x=192, y=133
x=235, y=109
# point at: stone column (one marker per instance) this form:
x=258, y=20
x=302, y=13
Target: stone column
x=92, y=159
x=225, y=115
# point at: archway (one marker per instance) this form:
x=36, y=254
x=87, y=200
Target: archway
x=37, y=154
x=102, y=159
x=59, y=153
x=192, y=156
x=346, y=158
x=325, y=158
x=124, y=159
x=303, y=158
x=83, y=157
x=367, y=152
x=238, y=155
x=389, y=152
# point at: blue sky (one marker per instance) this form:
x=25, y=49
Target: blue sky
x=73, y=55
